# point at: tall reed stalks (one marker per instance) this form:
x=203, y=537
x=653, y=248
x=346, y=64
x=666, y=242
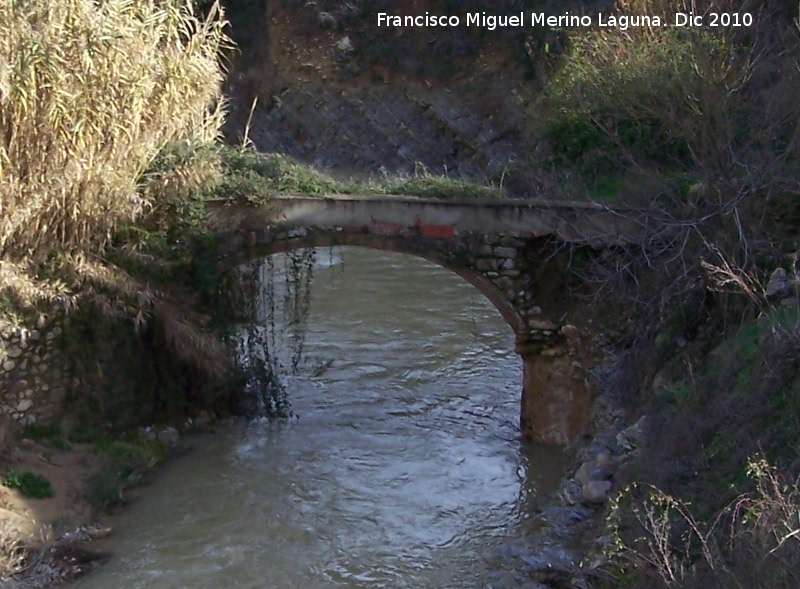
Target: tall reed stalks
x=90, y=91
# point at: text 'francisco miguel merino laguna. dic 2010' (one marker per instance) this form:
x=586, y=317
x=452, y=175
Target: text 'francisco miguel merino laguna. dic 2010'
x=540, y=19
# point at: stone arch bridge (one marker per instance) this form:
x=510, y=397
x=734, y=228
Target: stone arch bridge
x=506, y=249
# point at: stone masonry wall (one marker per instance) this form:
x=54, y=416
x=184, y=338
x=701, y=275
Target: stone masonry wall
x=33, y=382
x=504, y=260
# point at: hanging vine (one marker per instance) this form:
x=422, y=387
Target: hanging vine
x=299, y=267
x=274, y=303
x=264, y=392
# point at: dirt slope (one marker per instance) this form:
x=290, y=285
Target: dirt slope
x=337, y=92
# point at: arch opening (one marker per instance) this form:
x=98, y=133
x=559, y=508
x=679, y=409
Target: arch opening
x=555, y=399
x=450, y=313
x=390, y=244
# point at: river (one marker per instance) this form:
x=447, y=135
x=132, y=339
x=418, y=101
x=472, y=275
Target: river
x=402, y=467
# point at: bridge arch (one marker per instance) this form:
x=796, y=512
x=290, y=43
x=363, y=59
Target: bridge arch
x=505, y=249
x=384, y=243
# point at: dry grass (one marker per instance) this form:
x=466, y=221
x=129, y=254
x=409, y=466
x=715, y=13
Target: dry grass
x=12, y=551
x=19, y=291
x=89, y=94
x=755, y=541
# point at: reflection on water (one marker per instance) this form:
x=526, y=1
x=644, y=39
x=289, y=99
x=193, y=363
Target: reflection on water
x=402, y=469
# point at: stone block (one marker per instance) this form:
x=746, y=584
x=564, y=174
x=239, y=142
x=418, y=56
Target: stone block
x=437, y=231
x=505, y=252
x=385, y=228
x=556, y=352
x=541, y=324
x=57, y=395
x=512, y=242
x=504, y=283
x=572, y=334
x=596, y=491
x=484, y=264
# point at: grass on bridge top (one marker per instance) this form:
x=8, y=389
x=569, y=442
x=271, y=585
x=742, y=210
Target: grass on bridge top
x=244, y=174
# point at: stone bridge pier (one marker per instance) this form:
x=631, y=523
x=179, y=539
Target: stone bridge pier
x=532, y=280
x=514, y=263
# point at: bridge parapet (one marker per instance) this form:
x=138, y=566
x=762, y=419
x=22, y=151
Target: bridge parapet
x=574, y=222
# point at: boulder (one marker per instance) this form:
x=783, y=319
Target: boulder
x=591, y=471
x=169, y=436
x=596, y=491
x=551, y=565
x=780, y=284
x=633, y=436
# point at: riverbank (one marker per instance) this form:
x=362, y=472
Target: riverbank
x=49, y=541
x=43, y=539
x=569, y=546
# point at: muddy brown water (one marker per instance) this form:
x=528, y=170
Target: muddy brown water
x=402, y=469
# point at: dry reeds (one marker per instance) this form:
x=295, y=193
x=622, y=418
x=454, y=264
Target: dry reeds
x=89, y=94
x=12, y=551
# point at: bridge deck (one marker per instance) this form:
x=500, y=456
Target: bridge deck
x=579, y=222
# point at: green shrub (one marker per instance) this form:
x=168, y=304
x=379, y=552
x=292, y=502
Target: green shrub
x=30, y=485
x=623, y=98
x=133, y=453
x=427, y=185
x=709, y=100
x=129, y=460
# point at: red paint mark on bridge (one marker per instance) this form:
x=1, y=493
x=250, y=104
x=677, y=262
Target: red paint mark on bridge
x=437, y=231
x=354, y=229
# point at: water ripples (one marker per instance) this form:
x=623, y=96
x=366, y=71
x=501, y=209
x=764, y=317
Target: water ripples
x=402, y=468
